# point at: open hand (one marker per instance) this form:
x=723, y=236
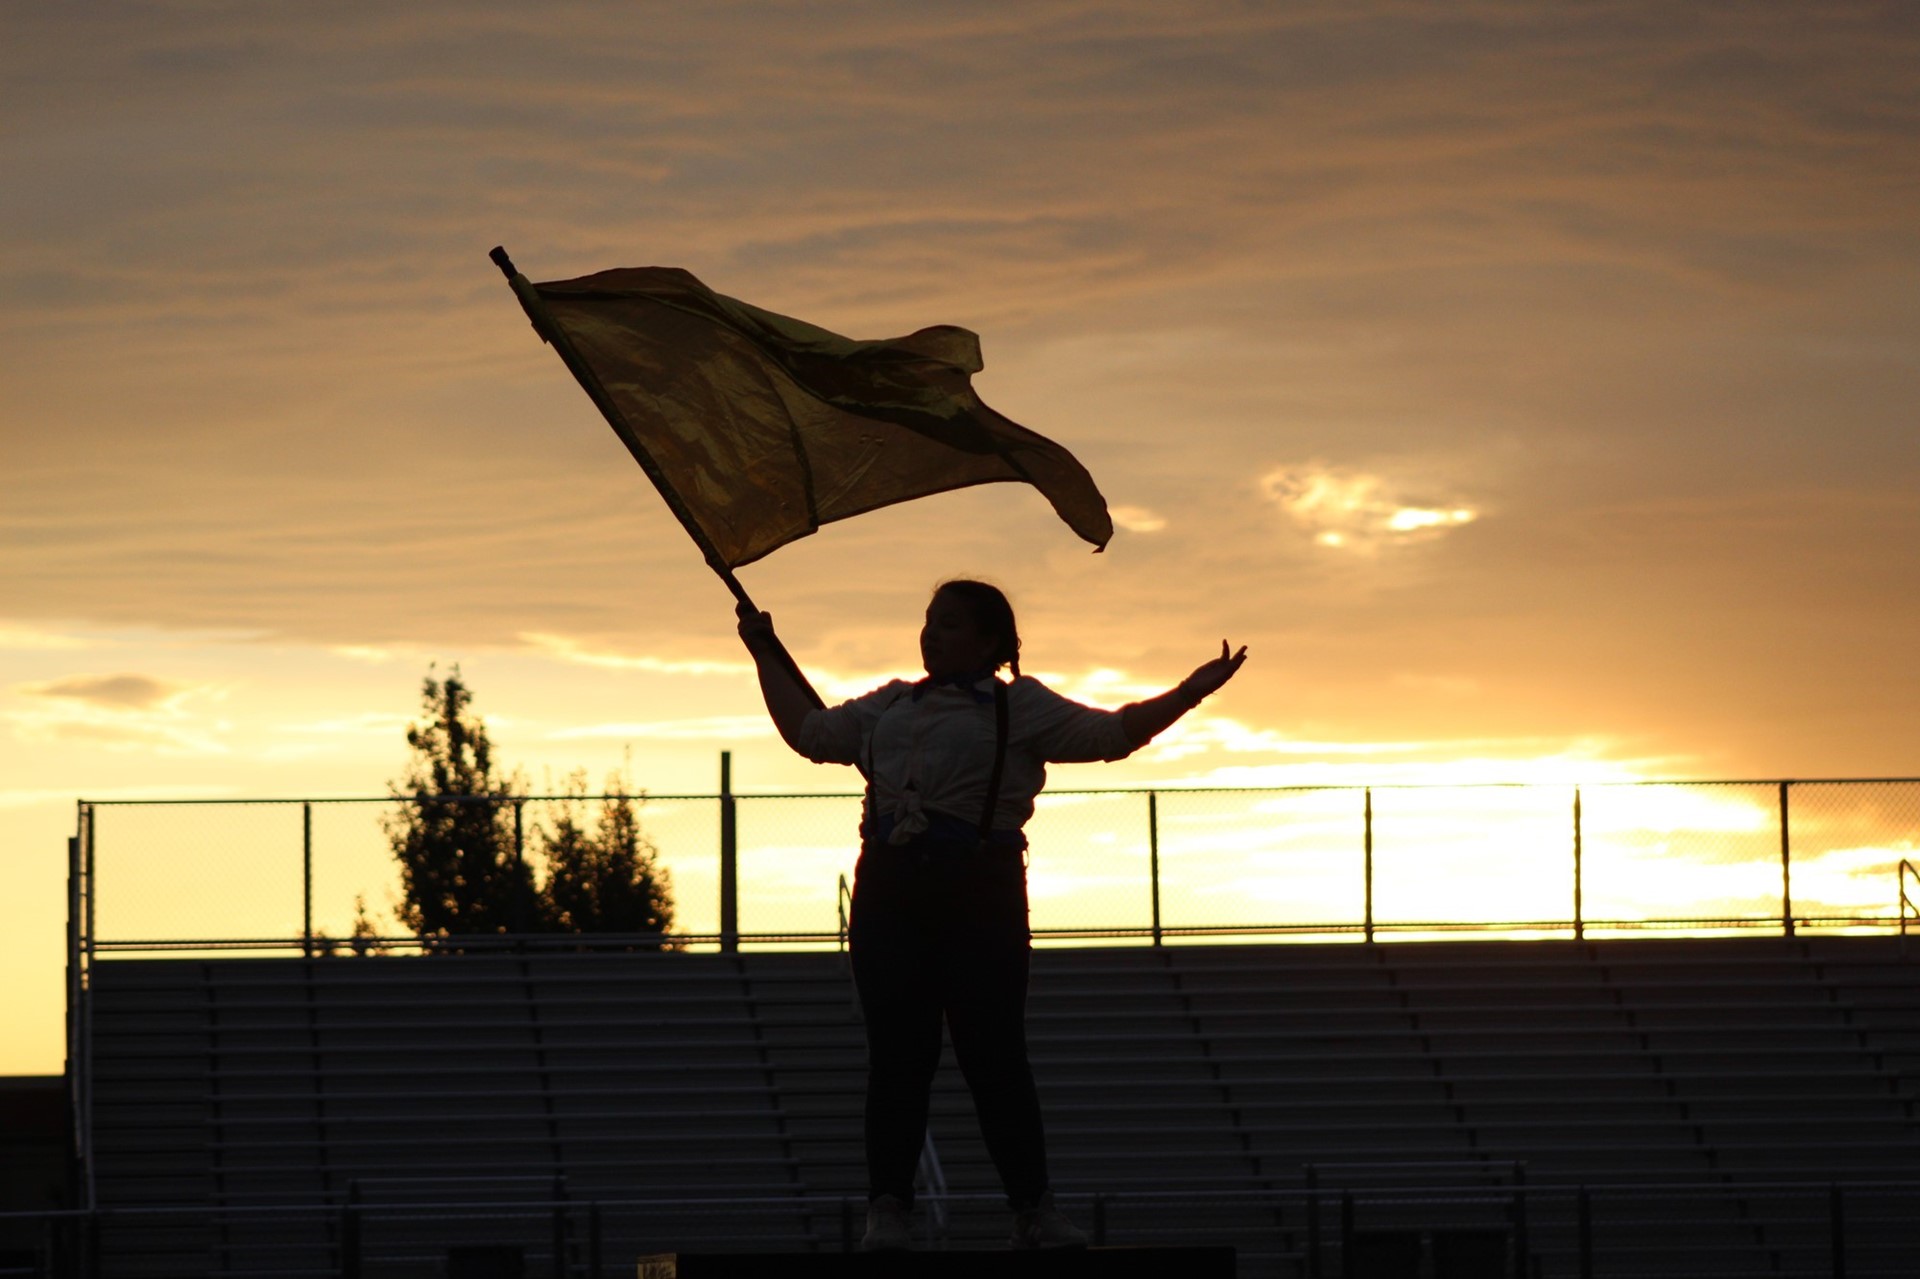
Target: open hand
x=1208, y=677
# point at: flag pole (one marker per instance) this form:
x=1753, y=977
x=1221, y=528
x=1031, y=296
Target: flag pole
x=553, y=336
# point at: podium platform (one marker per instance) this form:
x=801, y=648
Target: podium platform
x=1074, y=1263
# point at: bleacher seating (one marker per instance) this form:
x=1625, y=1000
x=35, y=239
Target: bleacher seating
x=1196, y=1089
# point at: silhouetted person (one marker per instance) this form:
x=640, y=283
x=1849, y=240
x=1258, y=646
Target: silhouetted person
x=939, y=923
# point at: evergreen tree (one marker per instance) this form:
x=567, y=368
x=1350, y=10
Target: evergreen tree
x=461, y=865
x=464, y=867
x=608, y=879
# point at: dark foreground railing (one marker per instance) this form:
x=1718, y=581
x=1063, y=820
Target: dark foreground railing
x=1326, y=1229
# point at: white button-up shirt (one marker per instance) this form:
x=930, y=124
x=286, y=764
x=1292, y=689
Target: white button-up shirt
x=935, y=754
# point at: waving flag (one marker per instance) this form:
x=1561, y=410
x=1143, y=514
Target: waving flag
x=759, y=428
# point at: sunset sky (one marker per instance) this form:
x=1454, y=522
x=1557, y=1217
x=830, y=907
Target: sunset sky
x=1531, y=387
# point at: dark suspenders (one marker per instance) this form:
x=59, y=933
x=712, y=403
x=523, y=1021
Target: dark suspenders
x=999, y=760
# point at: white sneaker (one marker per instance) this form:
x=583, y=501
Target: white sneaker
x=1045, y=1226
x=889, y=1226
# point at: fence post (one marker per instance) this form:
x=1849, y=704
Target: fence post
x=76, y=992
x=1367, y=870
x=306, y=878
x=522, y=877
x=729, y=860
x=1579, y=917
x=89, y=940
x=1153, y=857
x=1786, y=866
x=90, y=890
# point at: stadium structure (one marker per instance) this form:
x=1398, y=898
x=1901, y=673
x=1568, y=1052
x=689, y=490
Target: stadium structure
x=1728, y=1103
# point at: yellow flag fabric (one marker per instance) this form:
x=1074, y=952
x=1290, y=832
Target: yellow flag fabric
x=765, y=427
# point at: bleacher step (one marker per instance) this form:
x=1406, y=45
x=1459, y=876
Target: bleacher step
x=1081, y=1263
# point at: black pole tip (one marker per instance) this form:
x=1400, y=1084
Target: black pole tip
x=501, y=260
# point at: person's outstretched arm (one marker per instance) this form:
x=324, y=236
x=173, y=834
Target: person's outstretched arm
x=787, y=700
x=1144, y=721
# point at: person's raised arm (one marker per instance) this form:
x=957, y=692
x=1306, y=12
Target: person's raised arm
x=1144, y=721
x=787, y=700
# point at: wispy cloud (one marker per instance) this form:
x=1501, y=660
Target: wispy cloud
x=24, y=638
x=115, y=692
x=705, y=728
x=364, y=653
x=1219, y=732
x=1137, y=519
x=1347, y=510
x=1552, y=768
x=28, y=796
x=569, y=650
x=1214, y=748
x=366, y=723
x=118, y=712
x=119, y=731
x=1102, y=686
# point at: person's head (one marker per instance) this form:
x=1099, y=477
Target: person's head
x=969, y=627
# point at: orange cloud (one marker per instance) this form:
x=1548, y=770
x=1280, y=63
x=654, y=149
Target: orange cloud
x=115, y=692
x=1353, y=511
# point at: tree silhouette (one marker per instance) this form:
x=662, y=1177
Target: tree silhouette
x=463, y=850
x=456, y=831
x=604, y=880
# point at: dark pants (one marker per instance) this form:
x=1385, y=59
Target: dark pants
x=945, y=933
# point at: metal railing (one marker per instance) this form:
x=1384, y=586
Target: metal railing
x=843, y=907
x=1909, y=908
x=1316, y=1228
x=1150, y=865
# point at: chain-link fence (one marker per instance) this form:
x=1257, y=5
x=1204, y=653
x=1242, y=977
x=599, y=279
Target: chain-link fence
x=1150, y=866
